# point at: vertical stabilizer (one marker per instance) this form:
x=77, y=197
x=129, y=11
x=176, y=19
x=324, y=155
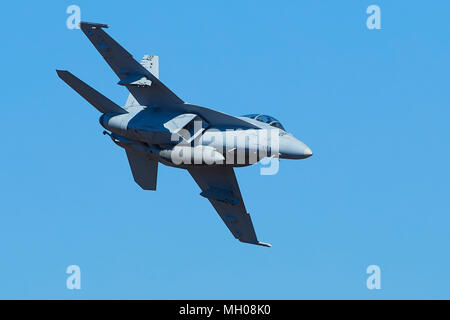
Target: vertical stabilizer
x=151, y=63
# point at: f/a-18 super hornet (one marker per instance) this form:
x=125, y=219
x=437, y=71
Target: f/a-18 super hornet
x=156, y=126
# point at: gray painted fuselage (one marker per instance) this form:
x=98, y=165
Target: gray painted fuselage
x=143, y=130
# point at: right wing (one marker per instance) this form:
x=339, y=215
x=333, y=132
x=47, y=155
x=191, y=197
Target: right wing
x=142, y=84
x=220, y=187
x=145, y=87
x=145, y=170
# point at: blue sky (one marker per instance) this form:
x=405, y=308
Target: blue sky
x=373, y=105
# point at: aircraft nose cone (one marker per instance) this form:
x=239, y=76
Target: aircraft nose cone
x=307, y=152
x=292, y=148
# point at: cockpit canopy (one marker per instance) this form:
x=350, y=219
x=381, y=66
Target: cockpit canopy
x=266, y=119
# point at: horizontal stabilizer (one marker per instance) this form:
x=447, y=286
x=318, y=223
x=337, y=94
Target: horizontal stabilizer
x=145, y=171
x=99, y=101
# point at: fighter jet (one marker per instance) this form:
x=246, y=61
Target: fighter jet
x=156, y=126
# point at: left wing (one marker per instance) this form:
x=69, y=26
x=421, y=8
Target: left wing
x=99, y=101
x=220, y=187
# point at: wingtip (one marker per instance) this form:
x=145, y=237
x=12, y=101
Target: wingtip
x=92, y=25
x=268, y=245
x=60, y=72
x=258, y=243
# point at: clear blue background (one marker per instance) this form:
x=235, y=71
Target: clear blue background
x=372, y=105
